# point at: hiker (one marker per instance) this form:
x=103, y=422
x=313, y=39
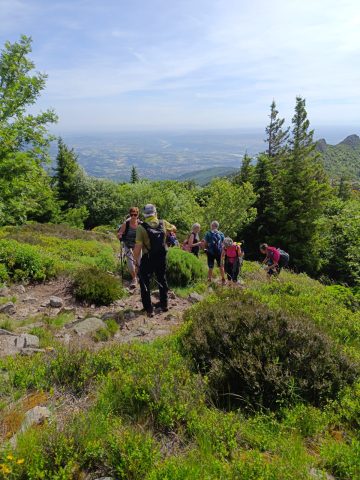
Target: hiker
x=213, y=242
x=275, y=259
x=171, y=240
x=232, y=259
x=126, y=234
x=151, y=240
x=192, y=244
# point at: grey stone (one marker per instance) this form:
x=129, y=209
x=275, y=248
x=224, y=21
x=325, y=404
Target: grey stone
x=89, y=325
x=4, y=292
x=320, y=475
x=27, y=352
x=129, y=315
x=172, y=295
x=20, y=289
x=11, y=344
x=8, y=308
x=119, y=303
x=6, y=332
x=195, y=297
x=56, y=302
x=45, y=304
x=29, y=299
x=68, y=310
x=35, y=416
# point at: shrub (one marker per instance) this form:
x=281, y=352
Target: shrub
x=104, y=334
x=3, y=273
x=257, y=357
x=183, y=268
x=24, y=262
x=95, y=286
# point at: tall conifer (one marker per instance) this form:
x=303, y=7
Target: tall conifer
x=66, y=173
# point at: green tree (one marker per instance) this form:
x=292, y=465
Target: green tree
x=246, y=173
x=66, y=175
x=25, y=191
x=134, y=175
x=344, y=190
x=277, y=137
x=305, y=189
x=231, y=205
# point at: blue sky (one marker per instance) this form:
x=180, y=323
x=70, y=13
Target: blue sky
x=139, y=64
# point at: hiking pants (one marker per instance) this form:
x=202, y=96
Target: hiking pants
x=232, y=270
x=149, y=266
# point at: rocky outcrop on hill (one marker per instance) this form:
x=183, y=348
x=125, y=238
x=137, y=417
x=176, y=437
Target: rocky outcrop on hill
x=352, y=141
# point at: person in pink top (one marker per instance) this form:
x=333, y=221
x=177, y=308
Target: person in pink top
x=275, y=258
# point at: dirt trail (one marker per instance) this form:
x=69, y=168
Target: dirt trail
x=33, y=304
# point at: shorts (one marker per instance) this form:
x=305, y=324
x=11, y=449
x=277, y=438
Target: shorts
x=212, y=258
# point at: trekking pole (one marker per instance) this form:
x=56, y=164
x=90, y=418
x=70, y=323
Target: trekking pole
x=121, y=263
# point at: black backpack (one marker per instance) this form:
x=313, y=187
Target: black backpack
x=215, y=244
x=157, y=238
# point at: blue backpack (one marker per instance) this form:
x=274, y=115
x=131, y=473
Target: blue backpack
x=215, y=244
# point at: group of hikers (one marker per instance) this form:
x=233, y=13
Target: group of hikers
x=145, y=245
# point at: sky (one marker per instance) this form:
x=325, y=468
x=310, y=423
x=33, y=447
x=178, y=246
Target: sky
x=192, y=64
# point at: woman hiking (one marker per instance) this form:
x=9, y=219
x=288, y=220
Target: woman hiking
x=127, y=234
x=193, y=243
x=232, y=259
x=275, y=259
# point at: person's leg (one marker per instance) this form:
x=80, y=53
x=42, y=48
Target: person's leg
x=221, y=267
x=235, y=271
x=210, y=261
x=131, y=264
x=145, y=273
x=160, y=272
x=227, y=269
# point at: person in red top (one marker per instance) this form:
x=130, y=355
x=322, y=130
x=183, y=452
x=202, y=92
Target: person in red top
x=275, y=258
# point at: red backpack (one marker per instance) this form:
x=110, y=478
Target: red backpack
x=232, y=252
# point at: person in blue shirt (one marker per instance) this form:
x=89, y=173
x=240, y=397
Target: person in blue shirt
x=213, y=243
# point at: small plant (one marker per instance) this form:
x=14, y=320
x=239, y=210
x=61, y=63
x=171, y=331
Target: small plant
x=183, y=268
x=104, y=334
x=96, y=287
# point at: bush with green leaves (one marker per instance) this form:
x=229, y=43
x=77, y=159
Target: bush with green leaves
x=183, y=268
x=94, y=286
x=256, y=357
x=25, y=262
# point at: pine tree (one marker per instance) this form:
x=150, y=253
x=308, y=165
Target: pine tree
x=276, y=137
x=134, y=175
x=67, y=172
x=246, y=173
x=304, y=190
x=344, y=191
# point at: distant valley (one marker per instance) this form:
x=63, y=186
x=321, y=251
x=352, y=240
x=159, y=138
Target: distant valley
x=197, y=156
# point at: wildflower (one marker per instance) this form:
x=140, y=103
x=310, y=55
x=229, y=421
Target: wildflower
x=10, y=457
x=20, y=461
x=5, y=469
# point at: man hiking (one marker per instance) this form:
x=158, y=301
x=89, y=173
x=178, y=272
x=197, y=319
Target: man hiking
x=232, y=259
x=151, y=240
x=127, y=234
x=275, y=259
x=213, y=242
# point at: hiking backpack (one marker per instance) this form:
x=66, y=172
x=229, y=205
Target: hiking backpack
x=157, y=237
x=232, y=252
x=215, y=244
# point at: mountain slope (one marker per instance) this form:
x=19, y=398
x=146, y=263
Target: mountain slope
x=342, y=159
x=202, y=177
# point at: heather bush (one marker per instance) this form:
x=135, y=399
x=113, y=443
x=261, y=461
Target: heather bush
x=93, y=286
x=256, y=357
x=183, y=268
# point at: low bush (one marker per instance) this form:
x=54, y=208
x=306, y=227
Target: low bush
x=183, y=268
x=104, y=334
x=3, y=273
x=94, y=286
x=25, y=262
x=256, y=357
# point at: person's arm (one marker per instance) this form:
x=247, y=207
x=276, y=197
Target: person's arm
x=137, y=253
x=222, y=258
x=191, y=241
x=121, y=231
x=240, y=252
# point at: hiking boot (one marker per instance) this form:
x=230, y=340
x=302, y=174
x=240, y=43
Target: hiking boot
x=163, y=308
x=150, y=313
x=133, y=284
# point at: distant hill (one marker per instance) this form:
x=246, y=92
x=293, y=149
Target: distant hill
x=202, y=177
x=342, y=159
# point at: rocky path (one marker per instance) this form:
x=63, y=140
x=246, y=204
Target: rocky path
x=24, y=308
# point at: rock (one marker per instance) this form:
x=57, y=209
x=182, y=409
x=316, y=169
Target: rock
x=195, y=297
x=8, y=308
x=29, y=299
x=89, y=325
x=27, y=352
x=6, y=332
x=117, y=316
x=4, y=292
x=45, y=304
x=11, y=344
x=35, y=416
x=56, y=302
x=320, y=475
x=129, y=315
x=172, y=295
x=68, y=310
x=20, y=289
x=119, y=303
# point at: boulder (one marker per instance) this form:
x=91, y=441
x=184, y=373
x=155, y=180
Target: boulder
x=195, y=297
x=89, y=325
x=35, y=416
x=4, y=292
x=56, y=302
x=11, y=344
x=20, y=289
x=7, y=308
